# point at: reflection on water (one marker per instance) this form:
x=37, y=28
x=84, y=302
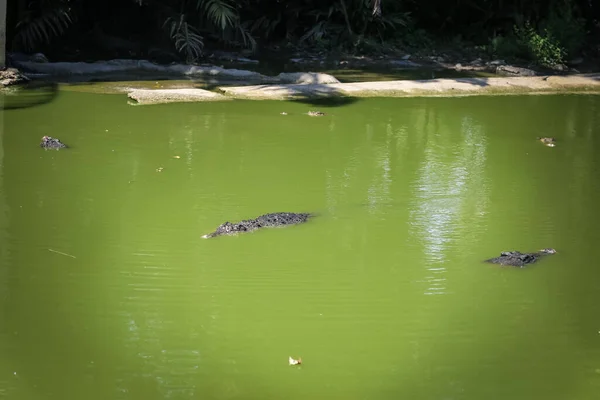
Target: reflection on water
x=31, y=94
x=451, y=190
x=166, y=366
x=384, y=295
x=379, y=190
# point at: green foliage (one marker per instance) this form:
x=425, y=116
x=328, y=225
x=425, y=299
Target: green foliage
x=559, y=34
x=217, y=19
x=247, y=40
x=219, y=12
x=418, y=39
x=506, y=47
x=185, y=38
x=565, y=27
x=543, y=48
x=327, y=24
x=41, y=22
x=556, y=28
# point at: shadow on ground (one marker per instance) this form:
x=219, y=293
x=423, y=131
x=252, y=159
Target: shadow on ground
x=323, y=95
x=313, y=94
x=474, y=81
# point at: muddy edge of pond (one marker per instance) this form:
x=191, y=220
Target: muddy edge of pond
x=290, y=86
x=589, y=83
x=406, y=88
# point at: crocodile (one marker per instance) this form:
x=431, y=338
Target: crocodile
x=548, y=141
x=518, y=259
x=52, y=143
x=263, y=221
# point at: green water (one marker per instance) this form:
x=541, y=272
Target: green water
x=107, y=290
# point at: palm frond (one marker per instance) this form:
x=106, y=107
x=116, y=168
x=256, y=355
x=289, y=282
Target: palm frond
x=315, y=33
x=219, y=12
x=247, y=38
x=394, y=20
x=185, y=37
x=33, y=31
x=264, y=24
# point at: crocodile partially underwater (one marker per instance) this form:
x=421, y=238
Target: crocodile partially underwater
x=518, y=259
x=49, y=142
x=310, y=113
x=263, y=221
x=548, y=141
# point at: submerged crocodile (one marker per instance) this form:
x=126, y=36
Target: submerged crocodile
x=548, y=141
x=52, y=143
x=310, y=113
x=264, y=221
x=518, y=259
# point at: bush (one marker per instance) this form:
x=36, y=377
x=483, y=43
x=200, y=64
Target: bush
x=506, y=47
x=418, y=39
x=559, y=35
x=566, y=27
x=544, y=48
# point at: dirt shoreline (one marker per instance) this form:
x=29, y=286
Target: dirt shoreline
x=588, y=83
x=177, y=91
x=228, y=84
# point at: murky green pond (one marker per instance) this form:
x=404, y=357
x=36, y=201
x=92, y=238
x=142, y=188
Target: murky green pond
x=107, y=290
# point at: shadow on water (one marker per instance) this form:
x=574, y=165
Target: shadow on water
x=335, y=101
x=31, y=94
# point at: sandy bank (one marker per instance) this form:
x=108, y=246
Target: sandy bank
x=300, y=85
x=222, y=84
x=157, y=96
x=432, y=87
x=589, y=83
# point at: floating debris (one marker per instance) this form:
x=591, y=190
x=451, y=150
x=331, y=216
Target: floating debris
x=293, y=361
x=60, y=252
x=316, y=113
x=283, y=113
x=176, y=157
x=159, y=169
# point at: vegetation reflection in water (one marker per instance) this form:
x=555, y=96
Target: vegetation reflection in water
x=383, y=295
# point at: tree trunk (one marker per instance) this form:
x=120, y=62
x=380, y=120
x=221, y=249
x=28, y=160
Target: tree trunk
x=2, y=34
